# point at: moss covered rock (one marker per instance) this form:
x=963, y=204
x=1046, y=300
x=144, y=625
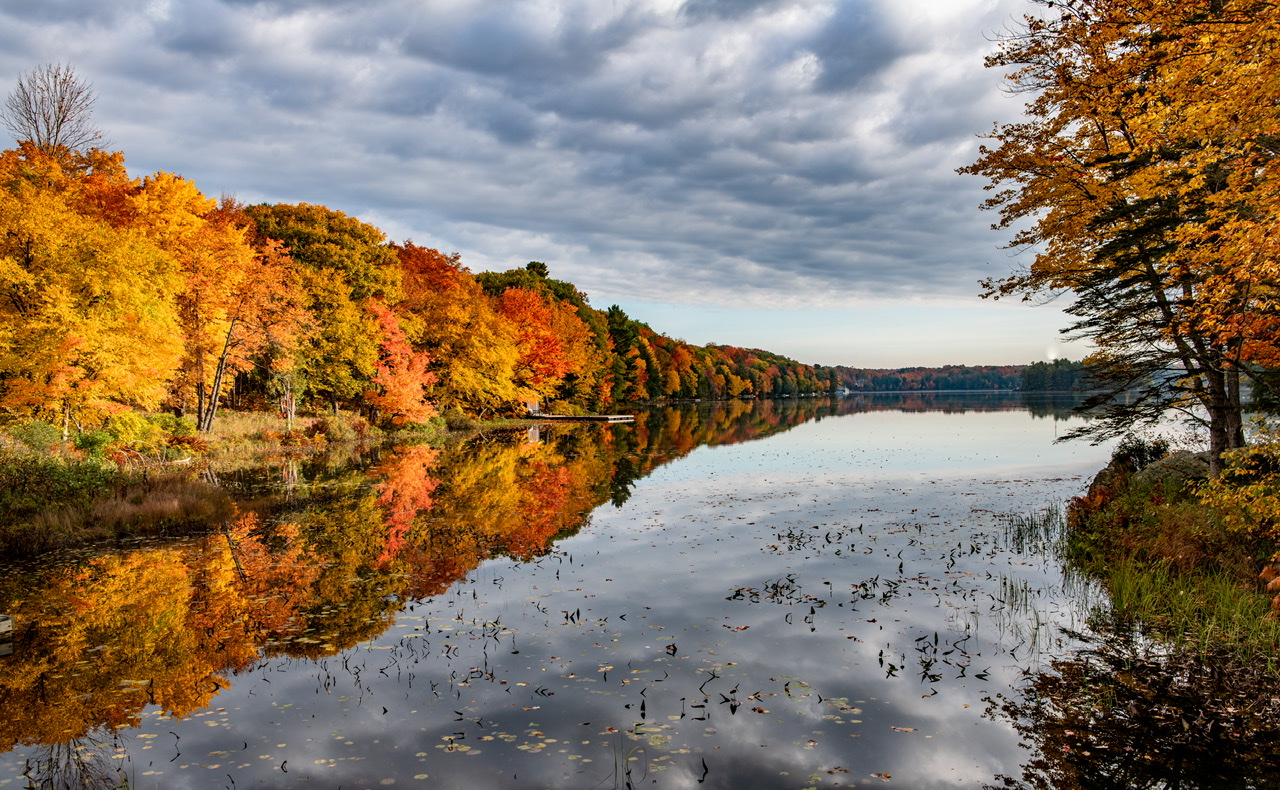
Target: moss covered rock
x=1174, y=471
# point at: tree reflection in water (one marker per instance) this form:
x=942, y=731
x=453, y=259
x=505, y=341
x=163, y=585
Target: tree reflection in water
x=85, y=762
x=1129, y=713
x=326, y=557
x=309, y=572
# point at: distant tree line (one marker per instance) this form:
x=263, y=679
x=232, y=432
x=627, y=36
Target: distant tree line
x=1060, y=375
x=949, y=377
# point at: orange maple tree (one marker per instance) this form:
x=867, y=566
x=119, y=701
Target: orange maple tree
x=401, y=373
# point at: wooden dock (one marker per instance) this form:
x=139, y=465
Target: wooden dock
x=535, y=413
x=584, y=418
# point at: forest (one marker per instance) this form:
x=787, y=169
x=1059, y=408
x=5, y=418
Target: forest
x=122, y=294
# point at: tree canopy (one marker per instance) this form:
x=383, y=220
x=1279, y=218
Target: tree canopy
x=1144, y=178
x=123, y=293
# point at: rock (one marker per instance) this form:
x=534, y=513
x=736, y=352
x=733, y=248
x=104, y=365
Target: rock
x=1174, y=471
x=1108, y=480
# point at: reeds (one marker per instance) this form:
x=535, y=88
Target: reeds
x=1205, y=611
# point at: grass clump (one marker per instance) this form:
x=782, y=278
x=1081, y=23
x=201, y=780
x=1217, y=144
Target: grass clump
x=29, y=483
x=1168, y=559
x=39, y=495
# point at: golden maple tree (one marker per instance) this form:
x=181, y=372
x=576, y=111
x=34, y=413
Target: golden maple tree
x=88, y=319
x=1143, y=177
x=446, y=313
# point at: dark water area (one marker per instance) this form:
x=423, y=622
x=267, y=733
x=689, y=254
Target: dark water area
x=798, y=593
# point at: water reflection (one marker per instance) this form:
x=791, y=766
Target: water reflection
x=1124, y=713
x=101, y=638
x=571, y=605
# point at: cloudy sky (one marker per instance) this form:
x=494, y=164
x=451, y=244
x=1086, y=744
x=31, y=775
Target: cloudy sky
x=768, y=173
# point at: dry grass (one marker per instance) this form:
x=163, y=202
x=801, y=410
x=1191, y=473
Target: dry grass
x=236, y=429
x=151, y=505
x=148, y=505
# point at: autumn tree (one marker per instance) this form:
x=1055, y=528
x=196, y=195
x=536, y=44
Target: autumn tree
x=587, y=380
x=88, y=320
x=51, y=107
x=542, y=362
x=401, y=375
x=1143, y=178
x=446, y=314
x=236, y=301
x=342, y=263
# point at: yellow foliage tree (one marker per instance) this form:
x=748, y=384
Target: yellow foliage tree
x=88, y=319
x=1144, y=177
x=446, y=313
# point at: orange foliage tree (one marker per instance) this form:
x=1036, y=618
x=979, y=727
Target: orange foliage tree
x=543, y=361
x=401, y=374
x=88, y=320
x=446, y=314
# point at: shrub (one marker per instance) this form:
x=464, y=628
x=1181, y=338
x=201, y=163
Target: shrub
x=1134, y=453
x=1247, y=493
x=94, y=443
x=130, y=428
x=191, y=443
x=174, y=425
x=456, y=420
x=339, y=428
x=37, y=434
x=361, y=427
x=30, y=483
x=566, y=409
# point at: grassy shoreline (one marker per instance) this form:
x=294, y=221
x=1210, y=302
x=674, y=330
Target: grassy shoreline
x=1171, y=565
x=146, y=477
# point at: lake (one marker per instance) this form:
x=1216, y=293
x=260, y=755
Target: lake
x=791, y=594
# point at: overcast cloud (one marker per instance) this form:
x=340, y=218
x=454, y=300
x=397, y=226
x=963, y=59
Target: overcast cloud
x=745, y=155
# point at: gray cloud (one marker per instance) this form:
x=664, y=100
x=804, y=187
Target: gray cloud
x=733, y=153
x=854, y=46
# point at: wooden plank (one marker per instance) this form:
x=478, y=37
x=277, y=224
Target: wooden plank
x=585, y=418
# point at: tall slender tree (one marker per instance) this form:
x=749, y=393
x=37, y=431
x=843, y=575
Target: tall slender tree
x=1138, y=176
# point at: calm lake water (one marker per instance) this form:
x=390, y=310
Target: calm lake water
x=775, y=594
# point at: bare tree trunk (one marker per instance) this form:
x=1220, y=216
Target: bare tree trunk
x=1235, y=425
x=200, y=398
x=210, y=409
